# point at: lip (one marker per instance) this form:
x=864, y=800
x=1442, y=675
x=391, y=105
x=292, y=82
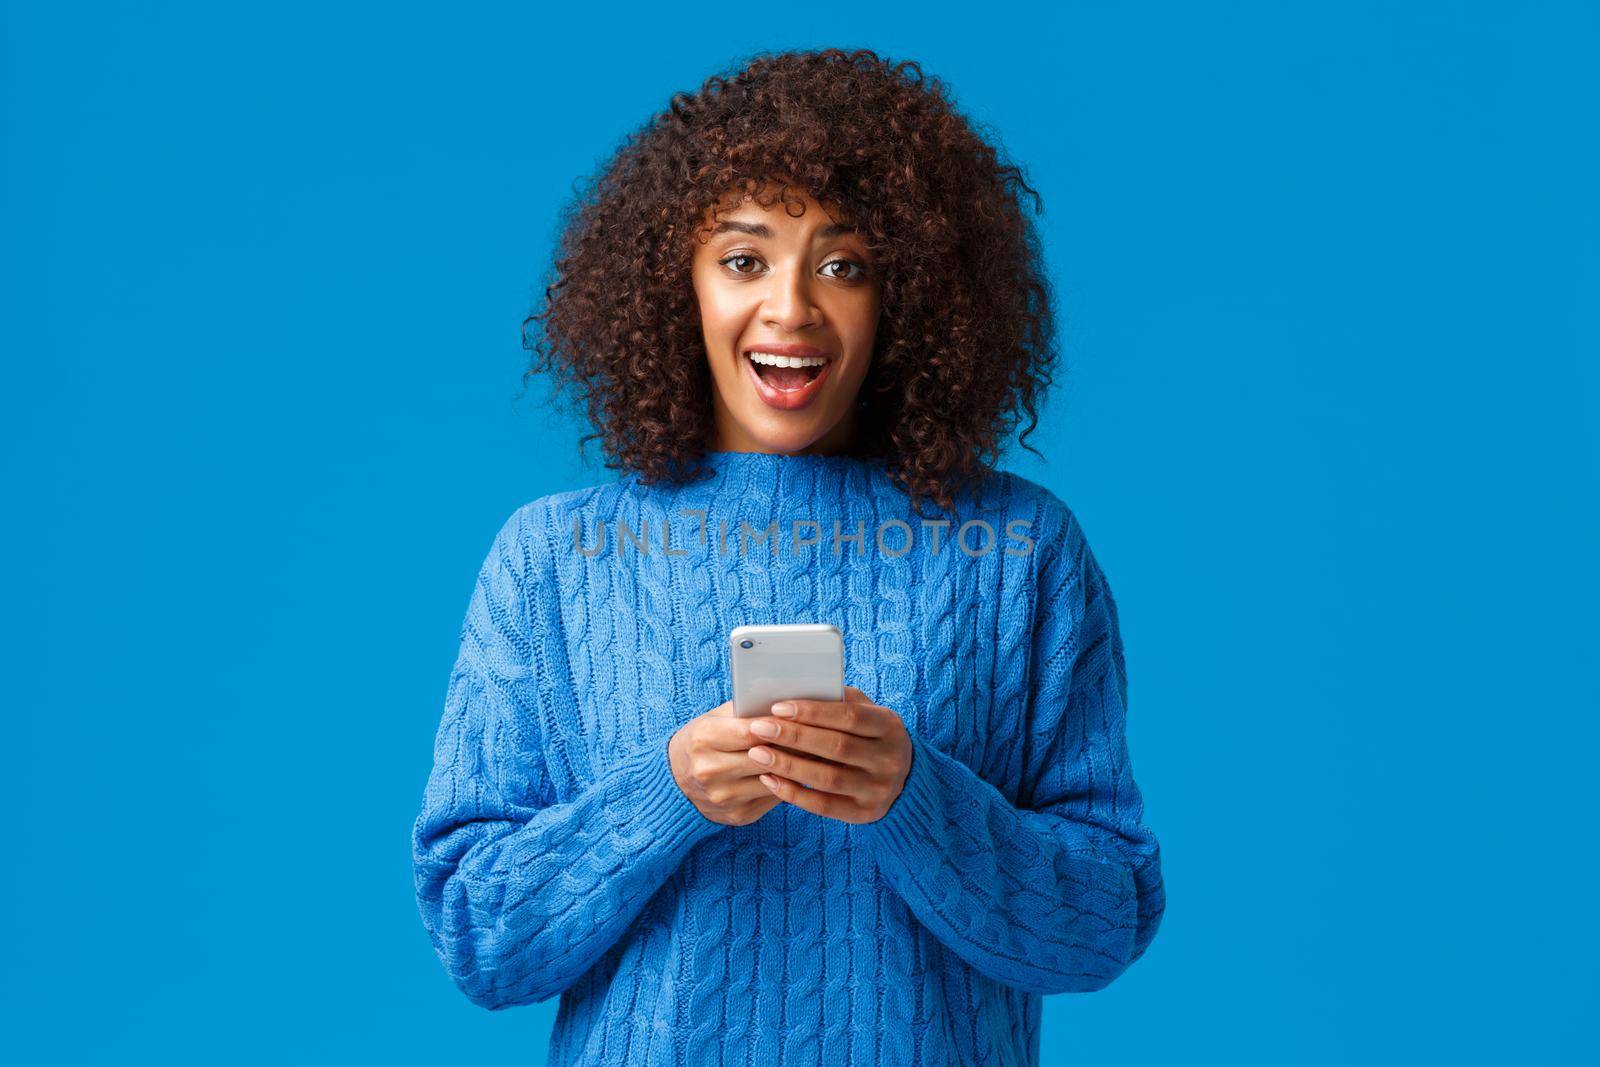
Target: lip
x=795, y=399
x=795, y=351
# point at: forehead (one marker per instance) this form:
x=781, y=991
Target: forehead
x=737, y=215
x=761, y=229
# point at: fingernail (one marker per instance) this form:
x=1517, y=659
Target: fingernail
x=784, y=708
x=764, y=728
x=761, y=755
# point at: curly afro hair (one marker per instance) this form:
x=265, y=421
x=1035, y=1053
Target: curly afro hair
x=965, y=340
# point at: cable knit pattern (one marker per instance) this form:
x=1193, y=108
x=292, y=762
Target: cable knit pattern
x=555, y=854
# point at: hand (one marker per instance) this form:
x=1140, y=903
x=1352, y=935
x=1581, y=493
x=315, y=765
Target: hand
x=867, y=757
x=708, y=761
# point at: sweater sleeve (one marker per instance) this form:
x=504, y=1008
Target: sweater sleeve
x=520, y=894
x=1062, y=891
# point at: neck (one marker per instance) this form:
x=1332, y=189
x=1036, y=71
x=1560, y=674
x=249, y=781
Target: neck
x=730, y=437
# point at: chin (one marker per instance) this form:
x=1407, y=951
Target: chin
x=786, y=442
x=783, y=438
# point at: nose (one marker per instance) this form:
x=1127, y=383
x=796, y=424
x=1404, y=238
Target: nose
x=787, y=306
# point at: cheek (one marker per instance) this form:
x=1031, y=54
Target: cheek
x=722, y=314
x=861, y=333
x=859, y=316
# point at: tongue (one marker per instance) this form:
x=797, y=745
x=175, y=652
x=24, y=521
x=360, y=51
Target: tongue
x=785, y=378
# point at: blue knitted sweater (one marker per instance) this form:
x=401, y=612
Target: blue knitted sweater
x=555, y=854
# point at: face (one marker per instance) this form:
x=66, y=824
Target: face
x=803, y=289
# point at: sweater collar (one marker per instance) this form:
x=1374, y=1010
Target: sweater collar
x=773, y=462
x=758, y=482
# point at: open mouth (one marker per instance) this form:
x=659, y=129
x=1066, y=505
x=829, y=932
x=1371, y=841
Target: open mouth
x=784, y=382
x=786, y=377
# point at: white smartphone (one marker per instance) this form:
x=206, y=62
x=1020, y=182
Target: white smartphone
x=800, y=661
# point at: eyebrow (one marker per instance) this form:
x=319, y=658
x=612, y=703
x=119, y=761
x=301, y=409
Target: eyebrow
x=761, y=229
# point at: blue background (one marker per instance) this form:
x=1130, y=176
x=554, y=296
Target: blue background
x=1328, y=284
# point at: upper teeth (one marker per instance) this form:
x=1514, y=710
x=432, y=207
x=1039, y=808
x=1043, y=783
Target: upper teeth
x=771, y=360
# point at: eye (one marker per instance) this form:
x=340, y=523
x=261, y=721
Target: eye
x=860, y=268
x=735, y=259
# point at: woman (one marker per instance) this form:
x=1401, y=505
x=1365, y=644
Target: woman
x=802, y=304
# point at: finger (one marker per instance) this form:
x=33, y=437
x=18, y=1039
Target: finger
x=712, y=768
x=863, y=720
x=744, y=792
x=819, y=759
x=729, y=794
x=833, y=746
x=830, y=805
x=830, y=778
x=853, y=695
x=731, y=765
x=731, y=736
x=727, y=734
